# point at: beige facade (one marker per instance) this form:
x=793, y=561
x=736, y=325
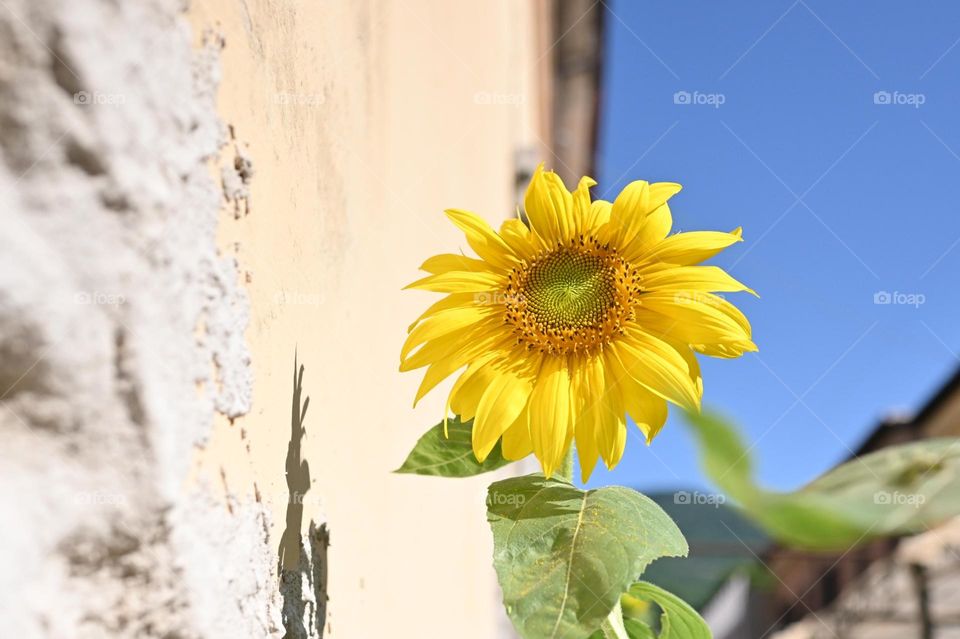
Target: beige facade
x=193, y=203
x=363, y=122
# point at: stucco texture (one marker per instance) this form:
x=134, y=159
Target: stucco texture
x=121, y=333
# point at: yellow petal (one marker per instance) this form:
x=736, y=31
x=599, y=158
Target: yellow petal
x=685, y=279
x=587, y=451
x=648, y=410
x=613, y=438
x=485, y=333
x=703, y=318
x=516, y=440
x=587, y=384
x=582, y=204
x=460, y=282
x=453, y=262
x=693, y=247
x=598, y=216
x=549, y=207
x=478, y=351
x=502, y=402
x=654, y=229
x=551, y=414
x=453, y=300
x=518, y=237
x=658, y=367
x=483, y=239
x=471, y=387
x=454, y=320
x=477, y=365
x=611, y=429
x=730, y=350
x=689, y=329
x=635, y=203
x=640, y=198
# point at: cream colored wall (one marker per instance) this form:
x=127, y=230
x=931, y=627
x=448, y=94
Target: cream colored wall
x=364, y=121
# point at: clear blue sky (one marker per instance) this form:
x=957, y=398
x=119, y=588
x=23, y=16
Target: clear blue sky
x=839, y=198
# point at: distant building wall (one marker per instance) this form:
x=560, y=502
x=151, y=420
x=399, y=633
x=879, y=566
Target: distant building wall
x=913, y=593
x=874, y=590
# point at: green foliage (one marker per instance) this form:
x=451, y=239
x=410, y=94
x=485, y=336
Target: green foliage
x=438, y=455
x=638, y=630
x=564, y=555
x=677, y=620
x=722, y=542
x=896, y=490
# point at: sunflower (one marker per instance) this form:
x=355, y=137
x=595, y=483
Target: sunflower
x=566, y=323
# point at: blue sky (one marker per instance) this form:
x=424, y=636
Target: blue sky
x=842, y=193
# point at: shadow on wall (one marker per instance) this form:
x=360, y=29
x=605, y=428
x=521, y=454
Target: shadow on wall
x=303, y=575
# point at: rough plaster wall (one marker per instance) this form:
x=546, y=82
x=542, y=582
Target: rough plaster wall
x=121, y=333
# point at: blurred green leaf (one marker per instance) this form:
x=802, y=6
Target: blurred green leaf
x=437, y=455
x=896, y=490
x=723, y=541
x=564, y=555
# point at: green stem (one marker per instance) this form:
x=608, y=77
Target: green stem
x=565, y=472
x=612, y=626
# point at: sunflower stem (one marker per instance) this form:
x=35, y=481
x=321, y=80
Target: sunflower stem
x=565, y=472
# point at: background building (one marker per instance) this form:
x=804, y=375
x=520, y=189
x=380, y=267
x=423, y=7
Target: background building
x=747, y=587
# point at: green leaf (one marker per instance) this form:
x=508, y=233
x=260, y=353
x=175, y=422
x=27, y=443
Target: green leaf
x=678, y=620
x=896, y=490
x=564, y=556
x=636, y=629
x=437, y=455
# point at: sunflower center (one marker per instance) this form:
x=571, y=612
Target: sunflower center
x=571, y=299
x=570, y=290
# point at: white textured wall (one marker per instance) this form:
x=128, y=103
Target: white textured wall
x=120, y=332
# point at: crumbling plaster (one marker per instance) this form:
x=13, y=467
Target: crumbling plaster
x=121, y=333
